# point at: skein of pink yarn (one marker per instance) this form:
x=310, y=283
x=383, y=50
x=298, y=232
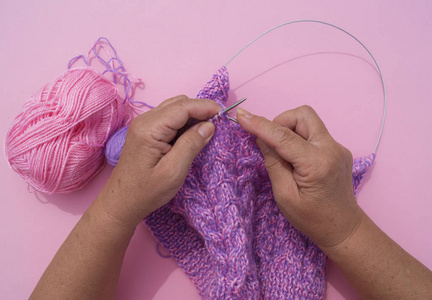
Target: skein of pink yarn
x=56, y=143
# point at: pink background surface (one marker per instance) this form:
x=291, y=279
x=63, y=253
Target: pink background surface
x=175, y=47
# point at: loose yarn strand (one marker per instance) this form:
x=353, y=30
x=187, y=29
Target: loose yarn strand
x=110, y=66
x=128, y=86
x=72, y=61
x=346, y=32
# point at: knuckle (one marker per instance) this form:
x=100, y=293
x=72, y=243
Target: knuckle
x=340, y=153
x=347, y=153
x=306, y=109
x=279, y=119
x=143, y=132
x=136, y=128
x=271, y=164
x=181, y=97
x=333, y=159
x=306, y=112
x=172, y=100
x=260, y=125
x=327, y=164
x=285, y=117
x=283, y=135
x=183, y=101
x=181, y=104
x=346, y=157
x=319, y=171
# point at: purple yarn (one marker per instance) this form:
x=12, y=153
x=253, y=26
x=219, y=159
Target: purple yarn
x=158, y=245
x=360, y=167
x=109, y=65
x=224, y=228
x=114, y=146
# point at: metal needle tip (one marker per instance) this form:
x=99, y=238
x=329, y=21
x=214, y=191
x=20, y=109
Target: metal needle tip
x=234, y=105
x=232, y=119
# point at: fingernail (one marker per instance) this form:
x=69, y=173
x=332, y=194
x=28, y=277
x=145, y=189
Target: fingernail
x=206, y=129
x=244, y=113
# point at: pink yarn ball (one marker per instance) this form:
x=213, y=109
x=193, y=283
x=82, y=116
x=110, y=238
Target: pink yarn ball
x=56, y=143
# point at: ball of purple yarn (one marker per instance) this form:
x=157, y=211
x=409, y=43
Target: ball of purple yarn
x=114, y=146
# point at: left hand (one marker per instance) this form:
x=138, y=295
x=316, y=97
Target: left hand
x=150, y=171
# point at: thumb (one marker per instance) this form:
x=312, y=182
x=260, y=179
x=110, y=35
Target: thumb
x=188, y=146
x=276, y=166
x=289, y=145
x=279, y=170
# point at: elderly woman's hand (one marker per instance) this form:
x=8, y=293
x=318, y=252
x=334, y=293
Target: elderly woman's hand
x=150, y=170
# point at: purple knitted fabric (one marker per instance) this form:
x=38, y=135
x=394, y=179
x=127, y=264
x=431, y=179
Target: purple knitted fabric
x=360, y=168
x=226, y=231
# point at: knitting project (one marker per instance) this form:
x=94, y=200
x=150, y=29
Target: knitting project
x=224, y=227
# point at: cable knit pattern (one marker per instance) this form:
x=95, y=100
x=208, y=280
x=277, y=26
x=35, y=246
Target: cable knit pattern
x=224, y=228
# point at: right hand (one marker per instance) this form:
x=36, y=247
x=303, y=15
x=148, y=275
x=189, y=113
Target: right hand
x=311, y=174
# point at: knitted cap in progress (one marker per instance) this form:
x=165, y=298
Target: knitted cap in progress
x=224, y=227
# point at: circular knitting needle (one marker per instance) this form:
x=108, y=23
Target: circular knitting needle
x=234, y=105
x=231, y=107
x=192, y=122
x=233, y=119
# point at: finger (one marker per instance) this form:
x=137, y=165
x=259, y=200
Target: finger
x=304, y=121
x=187, y=147
x=277, y=167
x=289, y=145
x=172, y=100
x=280, y=172
x=175, y=115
